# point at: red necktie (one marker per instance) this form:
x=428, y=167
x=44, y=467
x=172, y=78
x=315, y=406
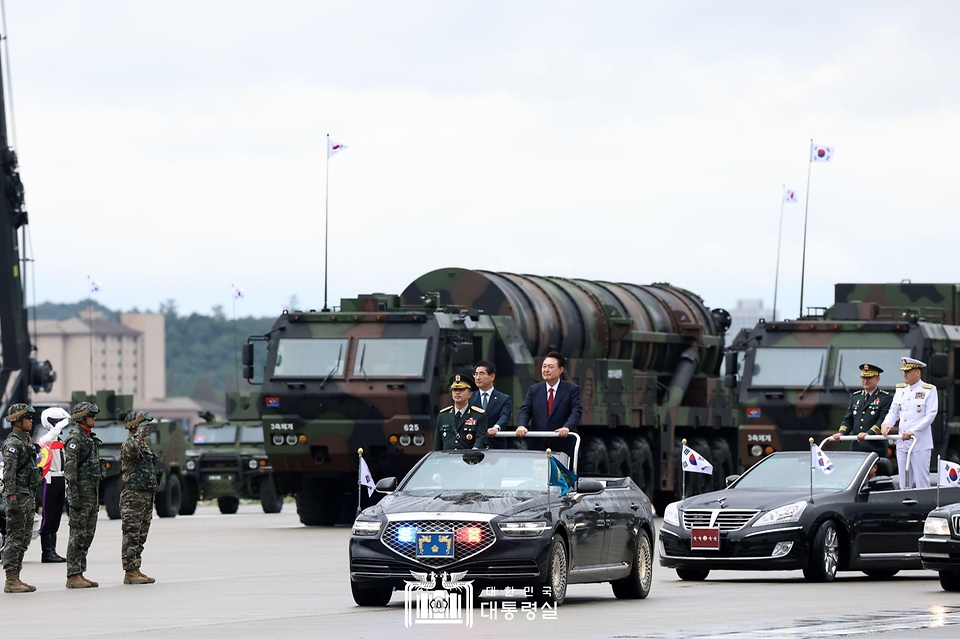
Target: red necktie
x=550, y=402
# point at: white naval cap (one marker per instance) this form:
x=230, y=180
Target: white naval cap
x=909, y=363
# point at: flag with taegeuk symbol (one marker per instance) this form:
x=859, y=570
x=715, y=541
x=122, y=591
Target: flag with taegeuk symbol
x=334, y=147
x=693, y=462
x=949, y=473
x=365, y=478
x=819, y=460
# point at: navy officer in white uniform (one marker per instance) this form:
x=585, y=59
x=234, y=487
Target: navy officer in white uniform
x=915, y=405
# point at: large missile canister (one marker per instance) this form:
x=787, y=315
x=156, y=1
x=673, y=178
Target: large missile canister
x=651, y=325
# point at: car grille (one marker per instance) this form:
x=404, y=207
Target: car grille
x=956, y=525
x=726, y=519
x=461, y=550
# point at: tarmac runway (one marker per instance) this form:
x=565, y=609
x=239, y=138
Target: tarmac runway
x=258, y=575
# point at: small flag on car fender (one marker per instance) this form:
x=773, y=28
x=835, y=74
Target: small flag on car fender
x=693, y=462
x=366, y=479
x=819, y=460
x=949, y=473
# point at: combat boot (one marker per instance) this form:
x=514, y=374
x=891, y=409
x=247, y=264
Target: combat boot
x=150, y=580
x=13, y=583
x=77, y=581
x=93, y=584
x=133, y=577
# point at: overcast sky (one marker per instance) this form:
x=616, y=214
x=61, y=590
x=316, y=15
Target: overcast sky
x=173, y=149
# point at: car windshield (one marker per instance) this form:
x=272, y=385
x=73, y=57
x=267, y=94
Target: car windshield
x=888, y=359
x=251, y=434
x=791, y=471
x=481, y=471
x=111, y=433
x=384, y=357
x=314, y=357
x=789, y=367
x=205, y=435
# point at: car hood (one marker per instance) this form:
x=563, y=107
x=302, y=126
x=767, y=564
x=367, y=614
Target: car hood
x=500, y=503
x=744, y=499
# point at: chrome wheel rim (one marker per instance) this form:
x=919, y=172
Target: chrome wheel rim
x=831, y=552
x=558, y=566
x=645, y=563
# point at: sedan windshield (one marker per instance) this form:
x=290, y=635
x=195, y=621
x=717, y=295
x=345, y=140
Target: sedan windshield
x=791, y=471
x=480, y=471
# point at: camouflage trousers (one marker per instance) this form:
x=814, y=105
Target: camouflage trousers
x=19, y=531
x=84, y=503
x=136, y=511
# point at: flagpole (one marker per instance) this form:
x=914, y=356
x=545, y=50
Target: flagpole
x=90, y=326
x=811, y=470
x=236, y=347
x=803, y=264
x=683, y=474
x=938, y=481
x=359, y=485
x=326, y=229
x=776, y=281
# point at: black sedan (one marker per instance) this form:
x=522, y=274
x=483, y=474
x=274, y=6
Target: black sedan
x=767, y=519
x=505, y=518
x=940, y=545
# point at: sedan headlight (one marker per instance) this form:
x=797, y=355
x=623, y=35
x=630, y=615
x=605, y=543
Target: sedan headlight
x=782, y=515
x=523, y=528
x=366, y=528
x=936, y=526
x=671, y=514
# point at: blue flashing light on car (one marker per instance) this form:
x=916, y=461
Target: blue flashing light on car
x=406, y=534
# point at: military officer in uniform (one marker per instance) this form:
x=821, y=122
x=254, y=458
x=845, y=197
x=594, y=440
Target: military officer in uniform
x=866, y=410
x=141, y=477
x=461, y=426
x=21, y=479
x=915, y=406
x=82, y=469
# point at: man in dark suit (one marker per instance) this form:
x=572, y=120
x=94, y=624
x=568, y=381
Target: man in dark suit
x=498, y=406
x=551, y=405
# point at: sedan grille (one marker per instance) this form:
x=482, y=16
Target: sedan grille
x=462, y=549
x=725, y=519
x=956, y=525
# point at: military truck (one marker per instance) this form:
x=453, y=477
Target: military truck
x=373, y=375
x=793, y=379
x=167, y=440
x=228, y=462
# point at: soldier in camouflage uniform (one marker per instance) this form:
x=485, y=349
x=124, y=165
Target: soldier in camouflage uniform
x=21, y=479
x=82, y=469
x=141, y=476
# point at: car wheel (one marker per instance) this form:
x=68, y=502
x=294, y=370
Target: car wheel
x=722, y=463
x=950, y=581
x=593, y=457
x=554, y=587
x=371, y=596
x=824, y=554
x=189, y=494
x=880, y=574
x=111, y=496
x=641, y=462
x=692, y=574
x=228, y=505
x=637, y=584
x=168, y=499
x=618, y=456
x=270, y=501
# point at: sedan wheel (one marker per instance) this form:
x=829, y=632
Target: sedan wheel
x=637, y=584
x=554, y=588
x=950, y=581
x=824, y=556
x=692, y=574
x=371, y=596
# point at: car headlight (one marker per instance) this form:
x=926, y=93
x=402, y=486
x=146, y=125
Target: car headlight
x=782, y=515
x=191, y=465
x=671, y=514
x=523, y=528
x=936, y=526
x=252, y=464
x=366, y=528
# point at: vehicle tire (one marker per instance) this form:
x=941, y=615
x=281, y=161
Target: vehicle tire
x=593, y=458
x=637, y=584
x=371, y=596
x=320, y=501
x=516, y=443
x=642, y=473
x=270, y=501
x=189, y=495
x=824, y=554
x=111, y=496
x=950, y=581
x=722, y=463
x=698, y=483
x=228, y=504
x=618, y=456
x=168, y=499
x=880, y=574
x=692, y=574
x=557, y=571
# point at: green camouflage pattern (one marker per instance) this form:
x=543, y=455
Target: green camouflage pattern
x=935, y=303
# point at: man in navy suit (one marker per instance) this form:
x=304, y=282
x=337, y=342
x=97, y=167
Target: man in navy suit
x=551, y=405
x=498, y=406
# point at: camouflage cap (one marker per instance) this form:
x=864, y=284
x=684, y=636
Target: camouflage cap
x=870, y=370
x=83, y=409
x=135, y=418
x=458, y=382
x=19, y=411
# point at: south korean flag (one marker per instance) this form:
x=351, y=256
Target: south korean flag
x=693, y=462
x=819, y=460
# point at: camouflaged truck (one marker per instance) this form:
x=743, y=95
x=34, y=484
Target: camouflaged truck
x=167, y=440
x=227, y=461
x=794, y=378
x=372, y=374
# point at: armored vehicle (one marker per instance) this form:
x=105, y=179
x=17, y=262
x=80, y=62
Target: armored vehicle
x=794, y=378
x=167, y=440
x=372, y=375
x=227, y=461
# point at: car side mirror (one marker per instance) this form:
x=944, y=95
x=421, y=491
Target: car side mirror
x=878, y=483
x=386, y=485
x=588, y=486
x=732, y=478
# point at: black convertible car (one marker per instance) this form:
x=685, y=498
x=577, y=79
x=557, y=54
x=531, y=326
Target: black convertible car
x=766, y=519
x=502, y=518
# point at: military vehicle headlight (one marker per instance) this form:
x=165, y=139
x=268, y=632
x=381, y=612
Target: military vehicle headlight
x=937, y=526
x=418, y=440
x=756, y=450
x=191, y=465
x=782, y=515
x=404, y=440
x=366, y=528
x=291, y=439
x=252, y=464
x=671, y=514
x=277, y=440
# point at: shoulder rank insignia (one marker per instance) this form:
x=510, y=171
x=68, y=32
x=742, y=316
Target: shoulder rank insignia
x=478, y=409
x=884, y=392
x=443, y=410
x=901, y=385
x=928, y=386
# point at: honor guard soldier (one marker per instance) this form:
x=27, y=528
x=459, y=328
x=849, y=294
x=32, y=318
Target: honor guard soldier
x=141, y=477
x=915, y=406
x=83, y=471
x=21, y=479
x=865, y=412
x=461, y=426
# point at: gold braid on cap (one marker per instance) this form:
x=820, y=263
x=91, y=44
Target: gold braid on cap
x=17, y=415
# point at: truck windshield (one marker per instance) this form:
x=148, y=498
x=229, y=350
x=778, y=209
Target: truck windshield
x=390, y=357
x=789, y=367
x=252, y=434
x=111, y=433
x=849, y=360
x=314, y=357
x=205, y=435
